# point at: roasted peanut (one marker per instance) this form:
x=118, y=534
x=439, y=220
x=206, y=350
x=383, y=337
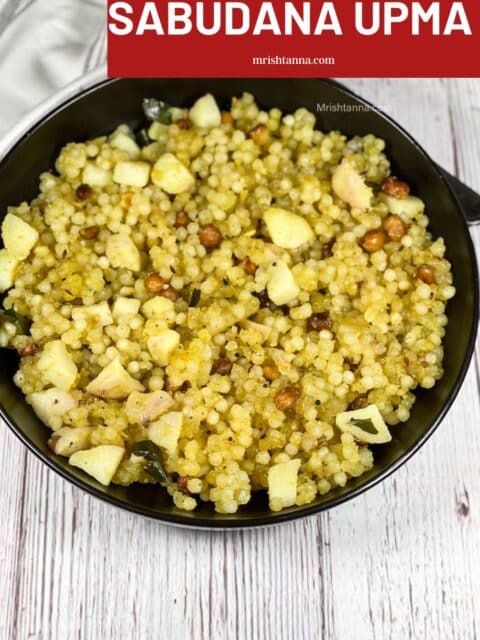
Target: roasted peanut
x=395, y=227
x=396, y=188
x=248, y=266
x=319, y=322
x=270, y=370
x=170, y=293
x=360, y=402
x=183, y=123
x=327, y=249
x=426, y=273
x=182, y=220
x=373, y=240
x=222, y=366
x=170, y=388
x=89, y=233
x=30, y=349
x=182, y=482
x=154, y=283
x=83, y=192
x=210, y=236
x=227, y=118
x=287, y=398
x=259, y=134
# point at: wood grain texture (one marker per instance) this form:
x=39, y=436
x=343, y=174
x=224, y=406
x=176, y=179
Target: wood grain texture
x=400, y=562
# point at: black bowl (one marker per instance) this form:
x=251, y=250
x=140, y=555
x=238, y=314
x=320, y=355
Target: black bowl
x=100, y=109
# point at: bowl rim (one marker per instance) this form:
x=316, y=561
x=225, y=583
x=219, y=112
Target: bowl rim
x=94, y=81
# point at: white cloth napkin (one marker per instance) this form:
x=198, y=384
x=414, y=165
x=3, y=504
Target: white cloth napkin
x=44, y=45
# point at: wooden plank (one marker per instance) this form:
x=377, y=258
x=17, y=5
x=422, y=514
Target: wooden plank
x=12, y=463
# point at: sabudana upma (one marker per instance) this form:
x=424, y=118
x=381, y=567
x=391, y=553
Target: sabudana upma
x=227, y=302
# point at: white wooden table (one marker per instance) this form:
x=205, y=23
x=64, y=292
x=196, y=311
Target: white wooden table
x=402, y=561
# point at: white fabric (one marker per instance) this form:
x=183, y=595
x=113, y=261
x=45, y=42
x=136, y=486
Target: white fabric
x=45, y=45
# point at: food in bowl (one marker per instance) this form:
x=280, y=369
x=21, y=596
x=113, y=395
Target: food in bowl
x=224, y=303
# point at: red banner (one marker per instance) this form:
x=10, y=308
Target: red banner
x=293, y=39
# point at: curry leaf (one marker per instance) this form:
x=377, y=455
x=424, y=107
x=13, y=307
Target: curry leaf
x=147, y=449
x=21, y=323
x=365, y=425
x=195, y=298
x=157, y=472
x=153, y=454
x=157, y=110
x=143, y=138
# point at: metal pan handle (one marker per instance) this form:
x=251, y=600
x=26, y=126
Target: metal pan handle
x=469, y=199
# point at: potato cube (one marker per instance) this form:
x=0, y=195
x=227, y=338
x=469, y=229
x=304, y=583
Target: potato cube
x=205, y=112
x=410, y=206
x=96, y=176
x=100, y=462
x=8, y=266
x=57, y=365
x=18, y=236
x=114, y=382
x=263, y=329
x=94, y=315
x=178, y=114
x=171, y=175
x=367, y=425
x=120, y=139
x=282, y=484
x=281, y=286
x=122, y=252
x=8, y=330
x=68, y=440
x=151, y=152
x=132, y=173
x=125, y=307
x=163, y=345
x=350, y=186
x=286, y=229
x=145, y=407
x=157, y=307
x=157, y=131
x=51, y=403
x=165, y=432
